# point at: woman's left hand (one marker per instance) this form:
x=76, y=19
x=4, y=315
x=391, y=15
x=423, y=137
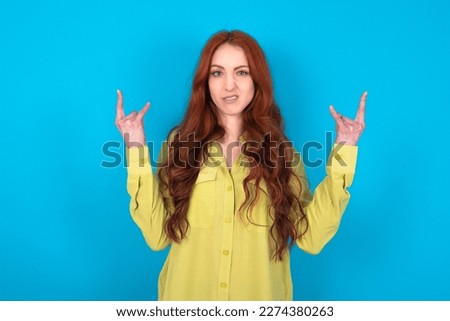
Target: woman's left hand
x=348, y=131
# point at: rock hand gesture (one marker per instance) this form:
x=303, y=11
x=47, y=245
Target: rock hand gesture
x=131, y=127
x=348, y=131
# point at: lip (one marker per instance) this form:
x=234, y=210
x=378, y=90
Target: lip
x=230, y=98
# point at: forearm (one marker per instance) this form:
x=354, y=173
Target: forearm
x=324, y=211
x=146, y=205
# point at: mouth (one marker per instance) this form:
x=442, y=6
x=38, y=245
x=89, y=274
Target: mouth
x=231, y=98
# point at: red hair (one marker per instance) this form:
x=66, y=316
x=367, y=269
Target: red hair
x=262, y=123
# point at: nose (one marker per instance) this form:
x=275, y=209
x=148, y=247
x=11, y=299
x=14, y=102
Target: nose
x=230, y=83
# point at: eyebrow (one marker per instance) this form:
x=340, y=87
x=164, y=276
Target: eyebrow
x=238, y=67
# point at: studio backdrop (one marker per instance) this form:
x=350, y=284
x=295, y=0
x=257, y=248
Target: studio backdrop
x=65, y=228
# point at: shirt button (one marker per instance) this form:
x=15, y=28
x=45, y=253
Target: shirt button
x=228, y=220
x=229, y=188
x=226, y=252
x=223, y=285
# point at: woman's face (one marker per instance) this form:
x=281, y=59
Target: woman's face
x=230, y=83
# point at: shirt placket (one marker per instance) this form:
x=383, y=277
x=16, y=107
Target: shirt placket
x=227, y=235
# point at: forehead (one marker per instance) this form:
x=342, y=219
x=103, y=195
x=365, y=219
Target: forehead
x=229, y=55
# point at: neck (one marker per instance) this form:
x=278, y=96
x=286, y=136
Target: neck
x=233, y=128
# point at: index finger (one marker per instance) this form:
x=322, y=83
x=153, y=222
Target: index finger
x=361, y=109
x=119, y=107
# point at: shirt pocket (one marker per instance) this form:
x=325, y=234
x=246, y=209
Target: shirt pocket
x=202, y=204
x=259, y=220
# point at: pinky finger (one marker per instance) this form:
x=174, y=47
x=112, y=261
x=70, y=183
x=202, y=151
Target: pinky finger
x=337, y=117
x=143, y=110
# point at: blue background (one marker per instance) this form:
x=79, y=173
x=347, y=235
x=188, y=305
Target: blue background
x=65, y=229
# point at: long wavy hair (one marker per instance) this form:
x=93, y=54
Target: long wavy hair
x=262, y=123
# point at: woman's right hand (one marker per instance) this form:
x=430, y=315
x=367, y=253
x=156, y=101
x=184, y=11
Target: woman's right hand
x=131, y=127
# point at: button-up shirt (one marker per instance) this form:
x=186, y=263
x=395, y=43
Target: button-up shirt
x=226, y=254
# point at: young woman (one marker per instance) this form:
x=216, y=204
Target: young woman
x=230, y=197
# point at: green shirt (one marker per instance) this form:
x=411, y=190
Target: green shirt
x=224, y=256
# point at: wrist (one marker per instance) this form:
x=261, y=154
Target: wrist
x=345, y=141
x=134, y=140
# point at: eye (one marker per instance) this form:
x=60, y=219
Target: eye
x=216, y=73
x=243, y=73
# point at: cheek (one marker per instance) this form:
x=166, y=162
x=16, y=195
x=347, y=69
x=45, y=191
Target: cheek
x=251, y=89
x=213, y=88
